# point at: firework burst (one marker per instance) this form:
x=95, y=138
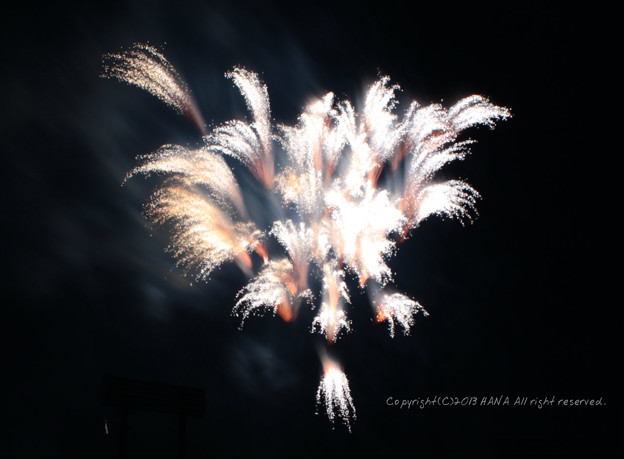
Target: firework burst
x=341, y=221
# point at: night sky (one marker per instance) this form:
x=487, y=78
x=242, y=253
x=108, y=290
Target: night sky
x=521, y=302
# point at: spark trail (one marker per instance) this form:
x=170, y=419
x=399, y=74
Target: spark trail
x=341, y=222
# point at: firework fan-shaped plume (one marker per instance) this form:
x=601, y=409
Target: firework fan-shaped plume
x=337, y=222
x=274, y=289
x=250, y=143
x=334, y=393
x=397, y=307
x=198, y=167
x=144, y=66
x=204, y=237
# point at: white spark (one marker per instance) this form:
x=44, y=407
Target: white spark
x=397, y=307
x=334, y=393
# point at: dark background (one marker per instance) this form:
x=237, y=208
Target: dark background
x=521, y=303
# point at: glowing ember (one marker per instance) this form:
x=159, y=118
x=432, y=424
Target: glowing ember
x=335, y=218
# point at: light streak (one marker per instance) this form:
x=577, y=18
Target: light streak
x=336, y=222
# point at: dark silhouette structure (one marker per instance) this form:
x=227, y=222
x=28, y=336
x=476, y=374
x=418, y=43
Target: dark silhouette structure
x=134, y=394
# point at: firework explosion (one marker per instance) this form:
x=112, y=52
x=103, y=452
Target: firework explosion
x=336, y=220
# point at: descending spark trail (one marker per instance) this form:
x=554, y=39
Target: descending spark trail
x=334, y=393
x=336, y=220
